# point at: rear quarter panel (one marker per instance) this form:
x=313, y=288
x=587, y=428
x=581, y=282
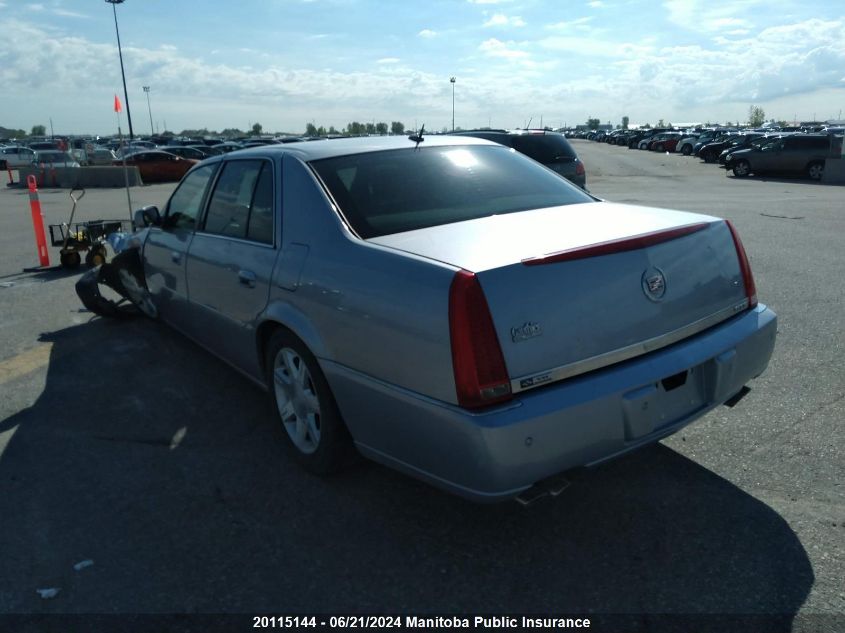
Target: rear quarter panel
x=363, y=306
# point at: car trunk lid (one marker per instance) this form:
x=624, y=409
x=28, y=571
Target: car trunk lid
x=571, y=289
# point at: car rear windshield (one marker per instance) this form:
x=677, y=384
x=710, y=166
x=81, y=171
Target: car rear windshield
x=382, y=193
x=544, y=148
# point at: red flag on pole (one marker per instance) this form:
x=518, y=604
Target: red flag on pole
x=117, y=106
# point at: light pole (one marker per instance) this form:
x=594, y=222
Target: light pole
x=147, y=90
x=452, y=81
x=122, y=73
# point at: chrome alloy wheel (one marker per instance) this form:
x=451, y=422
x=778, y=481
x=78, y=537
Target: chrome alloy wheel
x=296, y=399
x=741, y=168
x=815, y=171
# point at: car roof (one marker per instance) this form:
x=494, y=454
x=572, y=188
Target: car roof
x=330, y=148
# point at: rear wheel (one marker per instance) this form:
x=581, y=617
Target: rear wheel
x=815, y=170
x=708, y=157
x=741, y=169
x=305, y=406
x=686, y=150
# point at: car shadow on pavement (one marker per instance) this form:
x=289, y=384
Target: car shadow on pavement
x=164, y=467
x=785, y=179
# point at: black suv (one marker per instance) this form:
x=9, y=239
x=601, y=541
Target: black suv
x=546, y=147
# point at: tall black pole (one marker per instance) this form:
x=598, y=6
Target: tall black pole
x=122, y=73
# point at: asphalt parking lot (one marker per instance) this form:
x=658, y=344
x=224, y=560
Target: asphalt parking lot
x=124, y=444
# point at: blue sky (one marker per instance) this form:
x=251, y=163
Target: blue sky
x=285, y=63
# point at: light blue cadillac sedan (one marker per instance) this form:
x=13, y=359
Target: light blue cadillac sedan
x=450, y=308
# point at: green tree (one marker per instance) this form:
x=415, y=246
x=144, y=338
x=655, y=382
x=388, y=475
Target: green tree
x=593, y=124
x=38, y=130
x=381, y=128
x=332, y=130
x=231, y=132
x=310, y=130
x=397, y=127
x=370, y=128
x=197, y=133
x=625, y=121
x=660, y=123
x=355, y=128
x=756, y=116
x=256, y=129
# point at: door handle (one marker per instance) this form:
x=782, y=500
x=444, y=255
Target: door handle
x=247, y=278
x=175, y=257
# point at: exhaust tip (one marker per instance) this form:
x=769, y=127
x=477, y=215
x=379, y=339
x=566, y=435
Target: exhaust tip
x=549, y=487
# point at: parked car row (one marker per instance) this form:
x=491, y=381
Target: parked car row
x=17, y=156
x=743, y=151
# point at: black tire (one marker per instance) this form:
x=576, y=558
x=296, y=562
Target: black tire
x=686, y=150
x=815, y=170
x=304, y=405
x=741, y=168
x=70, y=260
x=708, y=157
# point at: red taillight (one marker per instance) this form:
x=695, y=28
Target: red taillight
x=481, y=378
x=579, y=169
x=744, y=267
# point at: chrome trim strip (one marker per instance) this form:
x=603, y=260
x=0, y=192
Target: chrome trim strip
x=537, y=379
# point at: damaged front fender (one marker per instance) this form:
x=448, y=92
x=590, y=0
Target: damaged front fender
x=124, y=275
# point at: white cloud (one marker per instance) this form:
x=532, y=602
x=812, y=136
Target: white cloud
x=427, y=33
x=500, y=19
x=487, y=1
x=596, y=4
x=68, y=14
x=388, y=60
x=703, y=16
x=497, y=48
x=578, y=23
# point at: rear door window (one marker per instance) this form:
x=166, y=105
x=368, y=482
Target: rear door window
x=260, y=227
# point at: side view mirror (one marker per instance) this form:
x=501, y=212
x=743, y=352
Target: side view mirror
x=147, y=216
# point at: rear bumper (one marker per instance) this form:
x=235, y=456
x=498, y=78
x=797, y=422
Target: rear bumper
x=581, y=421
